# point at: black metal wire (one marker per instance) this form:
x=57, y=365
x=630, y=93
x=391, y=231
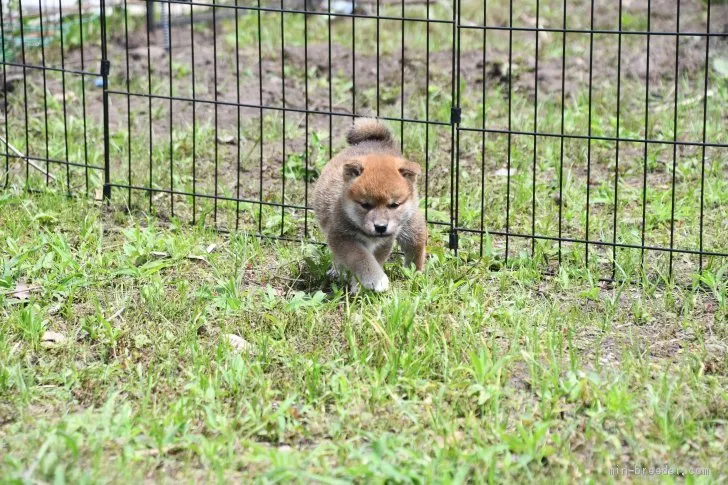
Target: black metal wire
x=39, y=67
x=535, y=137
x=561, y=134
x=353, y=58
x=171, y=113
x=482, y=134
x=6, y=183
x=455, y=82
x=331, y=105
x=510, y=126
x=63, y=163
x=105, y=86
x=128, y=111
x=647, y=133
x=343, y=113
x=149, y=106
x=674, y=133
x=456, y=123
x=401, y=90
x=589, y=135
x=616, y=144
x=238, y=141
x=378, y=55
x=290, y=104
x=305, y=121
x=25, y=94
x=327, y=13
x=65, y=108
x=83, y=85
x=705, y=124
x=573, y=136
x=215, y=84
x=637, y=33
x=283, y=133
x=213, y=197
x=45, y=94
x=260, y=122
x=594, y=242
x=194, y=117
x=427, y=99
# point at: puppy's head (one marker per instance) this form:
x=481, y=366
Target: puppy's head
x=380, y=193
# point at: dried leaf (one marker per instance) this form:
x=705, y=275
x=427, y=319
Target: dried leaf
x=211, y=248
x=226, y=139
x=503, y=172
x=143, y=52
x=117, y=314
x=543, y=36
x=70, y=97
x=194, y=257
x=51, y=339
x=21, y=291
x=342, y=7
x=240, y=344
x=55, y=309
x=720, y=64
x=141, y=341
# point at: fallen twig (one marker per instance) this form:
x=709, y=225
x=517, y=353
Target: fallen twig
x=117, y=313
x=684, y=102
x=28, y=160
x=20, y=292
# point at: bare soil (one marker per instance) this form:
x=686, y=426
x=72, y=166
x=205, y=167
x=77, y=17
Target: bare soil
x=208, y=70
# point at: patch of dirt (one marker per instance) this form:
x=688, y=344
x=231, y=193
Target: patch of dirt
x=221, y=78
x=228, y=77
x=691, y=60
x=658, y=334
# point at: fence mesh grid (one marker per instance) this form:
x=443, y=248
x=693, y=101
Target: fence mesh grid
x=591, y=132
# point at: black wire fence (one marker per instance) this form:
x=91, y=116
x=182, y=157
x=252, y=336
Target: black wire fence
x=592, y=132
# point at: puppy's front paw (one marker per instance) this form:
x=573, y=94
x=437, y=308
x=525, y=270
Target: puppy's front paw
x=378, y=284
x=353, y=287
x=333, y=273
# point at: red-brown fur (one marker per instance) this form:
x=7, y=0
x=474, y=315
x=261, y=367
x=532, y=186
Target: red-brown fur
x=365, y=199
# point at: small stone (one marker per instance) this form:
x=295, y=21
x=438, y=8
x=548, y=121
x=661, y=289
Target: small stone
x=52, y=339
x=240, y=344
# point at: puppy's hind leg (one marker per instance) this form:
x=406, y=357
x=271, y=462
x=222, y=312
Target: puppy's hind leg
x=413, y=239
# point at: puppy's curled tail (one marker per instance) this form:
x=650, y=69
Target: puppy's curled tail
x=369, y=129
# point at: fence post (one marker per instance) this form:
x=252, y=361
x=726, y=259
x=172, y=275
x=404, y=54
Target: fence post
x=150, y=16
x=105, y=68
x=455, y=115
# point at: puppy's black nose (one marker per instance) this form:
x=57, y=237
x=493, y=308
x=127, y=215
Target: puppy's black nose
x=380, y=229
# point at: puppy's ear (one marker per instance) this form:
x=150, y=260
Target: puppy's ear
x=352, y=169
x=410, y=171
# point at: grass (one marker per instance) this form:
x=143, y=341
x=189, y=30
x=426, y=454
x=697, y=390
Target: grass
x=458, y=374
x=478, y=370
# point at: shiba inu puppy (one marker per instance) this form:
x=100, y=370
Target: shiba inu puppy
x=365, y=200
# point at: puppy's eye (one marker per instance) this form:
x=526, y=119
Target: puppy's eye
x=366, y=205
x=393, y=205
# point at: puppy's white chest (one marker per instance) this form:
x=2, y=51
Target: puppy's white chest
x=372, y=244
